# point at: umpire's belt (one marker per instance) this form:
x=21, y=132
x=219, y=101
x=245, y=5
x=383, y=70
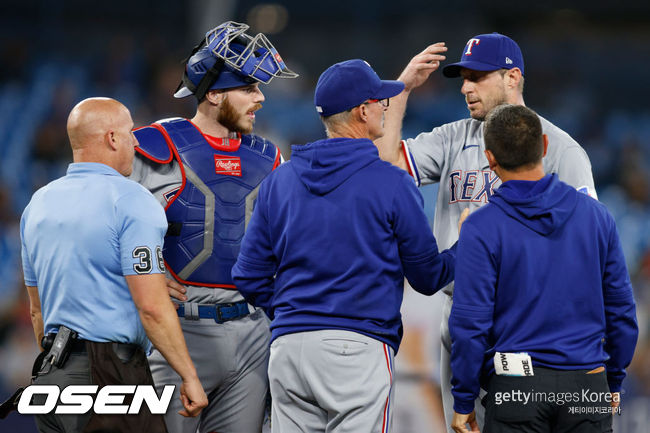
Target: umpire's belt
x=124, y=351
x=219, y=312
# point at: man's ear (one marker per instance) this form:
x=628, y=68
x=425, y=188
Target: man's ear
x=215, y=98
x=363, y=112
x=514, y=77
x=491, y=160
x=110, y=139
x=545, y=144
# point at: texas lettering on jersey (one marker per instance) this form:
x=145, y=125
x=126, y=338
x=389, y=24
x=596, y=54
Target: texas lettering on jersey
x=472, y=185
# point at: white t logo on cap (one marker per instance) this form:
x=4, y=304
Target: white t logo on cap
x=470, y=45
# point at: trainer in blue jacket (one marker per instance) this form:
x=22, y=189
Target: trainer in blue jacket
x=333, y=235
x=543, y=316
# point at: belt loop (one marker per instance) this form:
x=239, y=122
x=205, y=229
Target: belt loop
x=191, y=311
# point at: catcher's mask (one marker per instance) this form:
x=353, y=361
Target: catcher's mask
x=227, y=57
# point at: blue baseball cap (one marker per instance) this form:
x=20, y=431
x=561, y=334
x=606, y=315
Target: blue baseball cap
x=347, y=84
x=487, y=52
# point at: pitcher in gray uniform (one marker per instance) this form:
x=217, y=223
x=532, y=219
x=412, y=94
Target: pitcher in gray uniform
x=205, y=172
x=492, y=72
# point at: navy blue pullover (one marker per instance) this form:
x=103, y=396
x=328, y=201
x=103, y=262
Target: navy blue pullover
x=339, y=229
x=540, y=270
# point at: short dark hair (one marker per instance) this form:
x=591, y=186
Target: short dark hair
x=513, y=133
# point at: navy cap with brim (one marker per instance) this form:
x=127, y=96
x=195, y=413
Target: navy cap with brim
x=388, y=89
x=348, y=84
x=487, y=52
x=453, y=70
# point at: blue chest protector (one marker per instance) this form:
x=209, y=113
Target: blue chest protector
x=208, y=215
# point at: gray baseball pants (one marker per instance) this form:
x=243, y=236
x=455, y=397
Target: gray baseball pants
x=231, y=360
x=331, y=381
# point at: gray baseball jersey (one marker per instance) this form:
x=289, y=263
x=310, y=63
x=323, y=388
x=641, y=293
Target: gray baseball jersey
x=453, y=155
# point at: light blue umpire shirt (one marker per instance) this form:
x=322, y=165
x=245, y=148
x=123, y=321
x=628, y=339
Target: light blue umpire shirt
x=81, y=234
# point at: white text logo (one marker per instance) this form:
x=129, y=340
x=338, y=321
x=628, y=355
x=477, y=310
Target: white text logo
x=79, y=399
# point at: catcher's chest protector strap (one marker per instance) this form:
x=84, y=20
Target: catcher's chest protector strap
x=209, y=210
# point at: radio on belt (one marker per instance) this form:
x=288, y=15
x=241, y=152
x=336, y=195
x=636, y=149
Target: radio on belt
x=513, y=364
x=60, y=349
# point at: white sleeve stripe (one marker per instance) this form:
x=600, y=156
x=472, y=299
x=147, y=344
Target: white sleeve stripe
x=410, y=164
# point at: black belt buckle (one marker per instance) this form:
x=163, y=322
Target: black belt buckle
x=218, y=308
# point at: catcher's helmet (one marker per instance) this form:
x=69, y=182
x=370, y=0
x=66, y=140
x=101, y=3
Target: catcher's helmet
x=228, y=58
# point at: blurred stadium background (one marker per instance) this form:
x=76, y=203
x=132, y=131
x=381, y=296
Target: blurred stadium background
x=587, y=69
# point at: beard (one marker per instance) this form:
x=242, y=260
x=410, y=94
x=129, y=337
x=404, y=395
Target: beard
x=233, y=120
x=488, y=104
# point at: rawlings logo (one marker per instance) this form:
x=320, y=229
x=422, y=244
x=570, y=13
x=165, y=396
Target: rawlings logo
x=227, y=165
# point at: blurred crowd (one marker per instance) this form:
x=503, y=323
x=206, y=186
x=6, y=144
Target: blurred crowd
x=601, y=110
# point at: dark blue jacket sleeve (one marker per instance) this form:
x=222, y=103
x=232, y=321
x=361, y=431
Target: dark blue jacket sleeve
x=425, y=268
x=256, y=266
x=471, y=315
x=620, y=312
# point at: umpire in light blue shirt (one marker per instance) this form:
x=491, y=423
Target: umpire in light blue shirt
x=92, y=260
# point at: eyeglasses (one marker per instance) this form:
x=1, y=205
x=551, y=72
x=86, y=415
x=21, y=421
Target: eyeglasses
x=384, y=102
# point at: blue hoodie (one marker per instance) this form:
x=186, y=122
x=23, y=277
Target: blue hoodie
x=333, y=234
x=540, y=270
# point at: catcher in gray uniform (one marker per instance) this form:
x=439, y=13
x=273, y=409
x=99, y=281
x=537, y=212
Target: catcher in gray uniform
x=492, y=72
x=205, y=172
